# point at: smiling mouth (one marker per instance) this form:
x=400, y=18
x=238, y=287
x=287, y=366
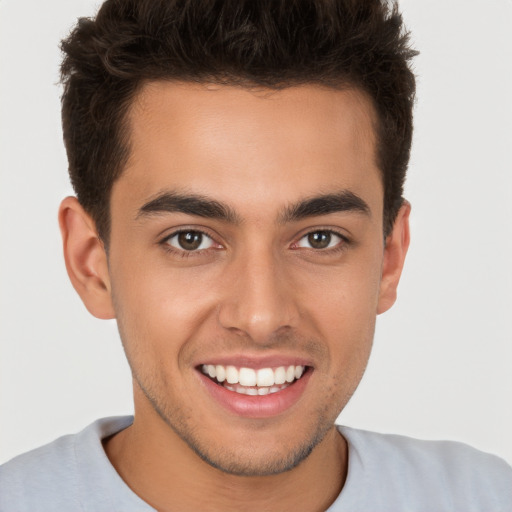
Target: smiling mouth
x=248, y=381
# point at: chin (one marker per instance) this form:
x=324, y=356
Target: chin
x=252, y=461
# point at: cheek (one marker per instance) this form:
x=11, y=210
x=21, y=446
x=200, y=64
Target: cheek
x=341, y=306
x=345, y=298
x=349, y=327
x=160, y=308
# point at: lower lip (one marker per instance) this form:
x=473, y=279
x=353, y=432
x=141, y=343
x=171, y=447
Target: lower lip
x=257, y=406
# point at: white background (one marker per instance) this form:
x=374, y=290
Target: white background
x=441, y=366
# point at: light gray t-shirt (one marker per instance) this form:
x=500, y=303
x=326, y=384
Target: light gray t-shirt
x=386, y=473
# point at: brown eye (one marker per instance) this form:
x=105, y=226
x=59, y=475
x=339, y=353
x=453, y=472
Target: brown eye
x=321, y=239
x=190, y=241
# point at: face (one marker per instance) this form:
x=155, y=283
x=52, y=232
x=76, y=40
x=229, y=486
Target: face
x=245, y=263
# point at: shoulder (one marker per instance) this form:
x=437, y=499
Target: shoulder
x=51, y=477
x=36, y=475
x=445, y=474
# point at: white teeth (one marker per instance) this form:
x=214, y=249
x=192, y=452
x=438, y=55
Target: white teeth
x=221, y=373
x=254, y=382
x=280, y=375
x=255, y=391
x=247, y=377
x=290, y=374
x=264, y=377
x=231, y=375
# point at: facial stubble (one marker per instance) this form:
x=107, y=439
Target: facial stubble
x=225, y=458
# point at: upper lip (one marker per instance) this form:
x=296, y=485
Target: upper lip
x=256, y=362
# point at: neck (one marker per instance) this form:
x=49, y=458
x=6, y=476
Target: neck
x=166, y=473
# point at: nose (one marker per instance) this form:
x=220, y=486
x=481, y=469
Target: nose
x=258, y=301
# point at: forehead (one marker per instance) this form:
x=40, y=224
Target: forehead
x=250, y=145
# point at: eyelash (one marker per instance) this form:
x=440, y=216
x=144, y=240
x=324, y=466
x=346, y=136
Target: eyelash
x=183, y=253
x=340, y=246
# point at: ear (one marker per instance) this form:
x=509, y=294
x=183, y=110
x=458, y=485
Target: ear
x=86, y=259
x=395, y=250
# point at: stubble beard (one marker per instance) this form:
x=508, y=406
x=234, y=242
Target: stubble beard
x=154, y=383
x=226, y=460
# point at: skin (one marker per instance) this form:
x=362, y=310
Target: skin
x=258, y=288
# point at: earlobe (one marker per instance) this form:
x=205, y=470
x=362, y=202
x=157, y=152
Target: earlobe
x=86, y=259
x=395, y=251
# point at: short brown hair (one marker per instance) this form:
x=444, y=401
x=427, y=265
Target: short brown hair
x=269, y=43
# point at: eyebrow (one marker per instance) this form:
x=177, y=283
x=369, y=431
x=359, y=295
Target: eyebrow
x=343, y=201
x=191, y=204
x=194, y=204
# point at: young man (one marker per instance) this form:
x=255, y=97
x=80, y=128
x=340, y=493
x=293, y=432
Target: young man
x=238, y=169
